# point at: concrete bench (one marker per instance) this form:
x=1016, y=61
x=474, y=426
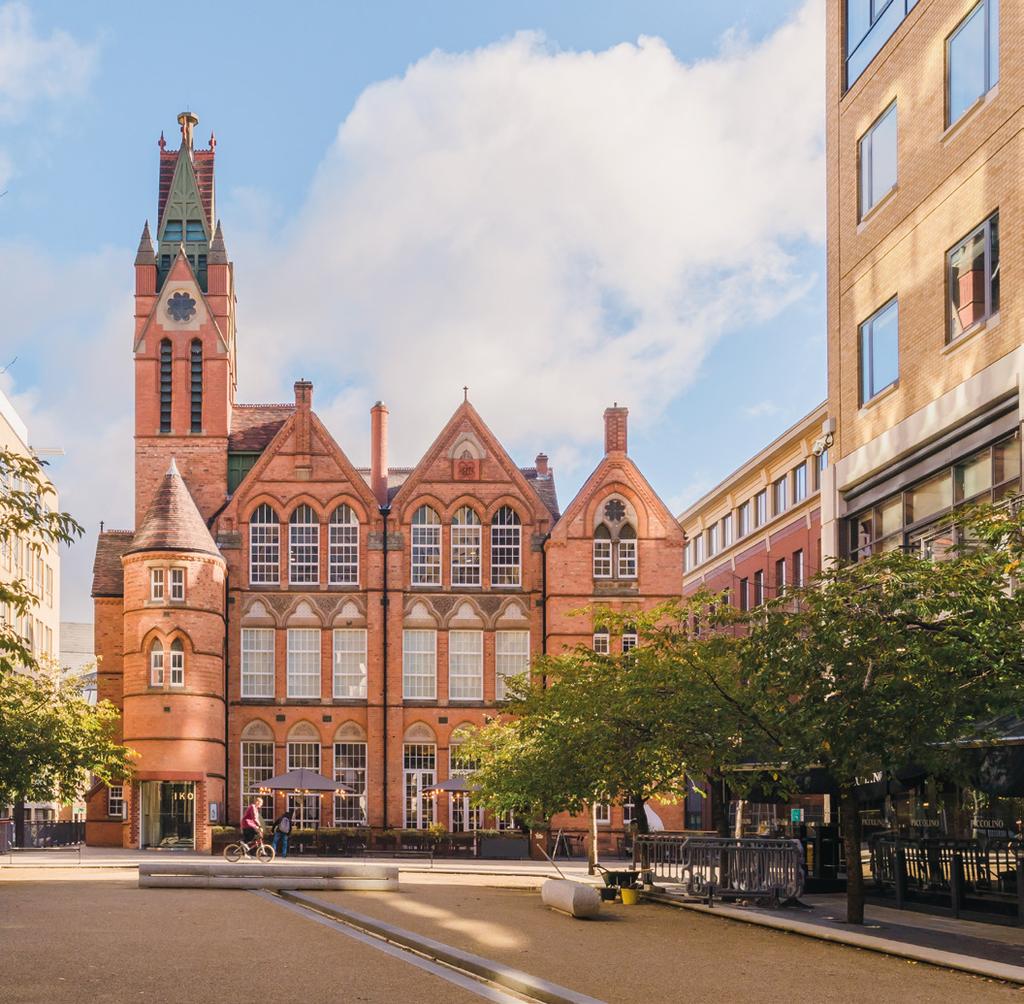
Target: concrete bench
x=254, y=875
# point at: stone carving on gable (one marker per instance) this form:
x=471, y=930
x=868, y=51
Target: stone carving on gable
x=466, y=454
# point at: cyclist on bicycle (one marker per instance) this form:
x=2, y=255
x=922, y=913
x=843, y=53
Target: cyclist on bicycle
x=252, y=823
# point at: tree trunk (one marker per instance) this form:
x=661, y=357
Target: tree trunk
x=851, y=845
x=640, y=814
x=592, y=849
x=719, y=804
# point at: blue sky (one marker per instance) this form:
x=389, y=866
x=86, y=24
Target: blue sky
x=580, y=210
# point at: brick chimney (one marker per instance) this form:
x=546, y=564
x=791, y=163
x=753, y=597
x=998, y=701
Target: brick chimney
x=615, y=429
x=303, y=423
x=542, y=465
x=379, y=452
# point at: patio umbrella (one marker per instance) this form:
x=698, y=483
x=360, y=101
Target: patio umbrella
x=305, y=782
x=456, y=785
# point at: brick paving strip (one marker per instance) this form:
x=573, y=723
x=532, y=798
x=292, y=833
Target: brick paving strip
x=997, y=958
x=533, y=987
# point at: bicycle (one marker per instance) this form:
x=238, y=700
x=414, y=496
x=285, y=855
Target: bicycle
x=263, y=852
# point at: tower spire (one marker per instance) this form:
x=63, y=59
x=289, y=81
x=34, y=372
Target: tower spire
x=145, y=254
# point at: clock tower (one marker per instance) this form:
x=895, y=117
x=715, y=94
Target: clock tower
x=184, y=342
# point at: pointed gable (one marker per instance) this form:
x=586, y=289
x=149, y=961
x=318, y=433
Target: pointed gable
x=190, y=311
x=467, y=452
x=173, y=522
x=184, y=201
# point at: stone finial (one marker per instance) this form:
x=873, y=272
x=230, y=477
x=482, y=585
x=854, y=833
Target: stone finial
x=188, y=122
x=172, y=471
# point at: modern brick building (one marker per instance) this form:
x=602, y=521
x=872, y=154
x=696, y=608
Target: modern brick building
x=759, y=530
x=276, y=607
x=924, y=194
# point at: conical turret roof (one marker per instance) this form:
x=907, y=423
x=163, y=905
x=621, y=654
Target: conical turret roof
x=145, y=254
x=218, y=252
x=173, y=522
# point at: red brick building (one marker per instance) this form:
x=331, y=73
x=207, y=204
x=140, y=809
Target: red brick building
x=277, y=607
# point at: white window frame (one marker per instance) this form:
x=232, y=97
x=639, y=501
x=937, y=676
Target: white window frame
x=506, y=549
x=603, y=814
x=264, y=547
x=305, y=808
x=727, y=537
x=798, y=569
x=465, y=666
x=256, y=759
x=780, y=495
x=177, y=667
x=257, y=647
x=156, y=584
x=304, y=547
x=425, y=559
x=350, y=768
x=743, y=520
x=602, y=642
x=602, y=557
x=419, y=776
x=467, y=548
x=761, y=508
x=177, y=585
x=511, y=659
x=630, y=640
x=115, y=801
x=626, y=557
x=419, y=664
x=349, y=648
x=799, y=483
x=343, y=547
x=303, y=655
x=156, y=664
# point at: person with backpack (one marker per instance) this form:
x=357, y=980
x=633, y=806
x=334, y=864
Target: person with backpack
x=282, y=828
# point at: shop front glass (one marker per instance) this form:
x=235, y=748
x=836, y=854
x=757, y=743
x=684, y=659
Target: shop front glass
x=168, y=814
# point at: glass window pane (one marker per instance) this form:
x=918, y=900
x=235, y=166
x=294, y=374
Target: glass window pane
x=1006, y=460
x=967, y=64
x=972, y=476
x=858, y=20
x=879, y=352
x=932, y=496
x=890, y=517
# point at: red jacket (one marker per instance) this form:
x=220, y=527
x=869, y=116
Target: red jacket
x=251, y=818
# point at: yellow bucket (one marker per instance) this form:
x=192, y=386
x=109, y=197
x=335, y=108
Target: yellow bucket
x=630, y=897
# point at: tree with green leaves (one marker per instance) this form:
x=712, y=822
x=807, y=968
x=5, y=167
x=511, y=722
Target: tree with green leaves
x=632, y=726
x=884, y=664
x=51, y=738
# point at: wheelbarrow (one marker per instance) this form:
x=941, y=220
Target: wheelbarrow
x=616, y=880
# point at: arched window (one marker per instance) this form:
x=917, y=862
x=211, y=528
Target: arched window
x=196, y=359
x=177, y=663
x=264, y=547
x=426, y=547
x=343, y=547
x=602, y=552
x=626, y=557
x=465, y=548
x=165, y=385
x=156, y=665
x=506, y=548
x=303, y=547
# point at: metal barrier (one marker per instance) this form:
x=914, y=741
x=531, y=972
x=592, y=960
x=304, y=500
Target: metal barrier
x=724, y=867
x=962, y=876
x=53, y=834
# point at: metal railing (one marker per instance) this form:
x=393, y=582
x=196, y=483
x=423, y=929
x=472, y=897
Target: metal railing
x=724, y=867
x=978, y=876
x=52, y=834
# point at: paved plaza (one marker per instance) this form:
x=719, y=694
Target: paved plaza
x=72, y=934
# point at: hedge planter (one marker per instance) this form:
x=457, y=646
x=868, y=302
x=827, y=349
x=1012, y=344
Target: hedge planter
x=510, y=848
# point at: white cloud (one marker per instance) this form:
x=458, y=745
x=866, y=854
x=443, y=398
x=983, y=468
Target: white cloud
x=74, y=324
x=762, y=409
x=36, y=70
x=557, y=230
